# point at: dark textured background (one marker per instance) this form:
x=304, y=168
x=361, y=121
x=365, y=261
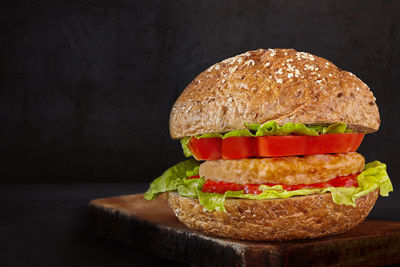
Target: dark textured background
x=86, y=86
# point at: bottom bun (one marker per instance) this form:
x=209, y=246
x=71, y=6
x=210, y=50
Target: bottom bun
x=273, y=219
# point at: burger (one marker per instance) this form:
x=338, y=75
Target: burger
x=272, y=137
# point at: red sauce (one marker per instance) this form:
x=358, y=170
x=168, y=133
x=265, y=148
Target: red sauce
x=221, y=187
x=193, y=177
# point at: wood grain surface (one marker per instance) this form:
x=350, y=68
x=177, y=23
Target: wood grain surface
x=153, y=226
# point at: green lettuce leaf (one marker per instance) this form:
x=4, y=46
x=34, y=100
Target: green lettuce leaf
x=374, y=176
x=189, y=188
x=338, y=127
x=186, y=150
x=212, y=201
x=171, y=178
x=272, y=128
x=210, y=135
x=193, y=172
x=241, y=132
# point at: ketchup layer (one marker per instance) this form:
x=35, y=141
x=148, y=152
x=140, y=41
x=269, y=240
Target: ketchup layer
x=211, y=186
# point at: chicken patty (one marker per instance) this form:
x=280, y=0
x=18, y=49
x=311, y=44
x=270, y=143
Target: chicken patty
x=284, y=170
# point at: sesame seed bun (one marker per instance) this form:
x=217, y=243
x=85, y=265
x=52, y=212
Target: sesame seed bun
x=273, y=219
x=275, y=84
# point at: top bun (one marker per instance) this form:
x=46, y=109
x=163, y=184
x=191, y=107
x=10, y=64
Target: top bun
x=275, y=84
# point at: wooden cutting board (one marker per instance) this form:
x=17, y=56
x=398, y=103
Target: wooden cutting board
x=153, y=226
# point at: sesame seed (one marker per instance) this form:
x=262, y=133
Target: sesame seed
x=305, y=56
x=285, y=54
x=240, y=60
x=308, y=67
x=318, y=81
x=267, y=64
x=296, y=72
x=290, y=67
x=230, y=60
x=250, y=62
x=290, y=75
x=279, y=81
x=279, y=71
x=233, y=69
x=330, y=75
x=243, y=85
x=223, y=81
x=358, y=88
x=217, y=67
x=272, y=52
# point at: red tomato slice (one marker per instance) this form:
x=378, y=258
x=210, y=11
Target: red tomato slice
x=239, y=147
x=333, y=143
x=273, y=146
x=205, y=148
x=279, y=146
x=292, y=145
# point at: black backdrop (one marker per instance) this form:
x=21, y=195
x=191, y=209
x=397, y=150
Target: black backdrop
x=86, y=86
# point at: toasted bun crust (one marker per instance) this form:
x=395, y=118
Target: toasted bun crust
x=283, y=170
x=276, y=219
x=274, y=84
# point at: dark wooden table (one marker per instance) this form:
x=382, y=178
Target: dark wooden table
x=47, y=225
